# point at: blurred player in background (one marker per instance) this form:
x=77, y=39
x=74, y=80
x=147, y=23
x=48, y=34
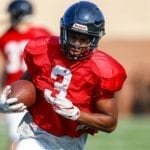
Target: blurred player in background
x=12, y=44
x=75, y=81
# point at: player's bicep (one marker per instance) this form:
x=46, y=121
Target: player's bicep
x=108, y=107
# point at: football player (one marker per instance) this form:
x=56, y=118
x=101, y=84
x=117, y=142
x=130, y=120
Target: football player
x=75, y=84
x=12, y=44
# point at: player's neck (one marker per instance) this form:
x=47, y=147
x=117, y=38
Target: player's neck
x=23, y=27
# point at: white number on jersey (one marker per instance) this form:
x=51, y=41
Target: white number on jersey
x=61, y=87
x=14, y=52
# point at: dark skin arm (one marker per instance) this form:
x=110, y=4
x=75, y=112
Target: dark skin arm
x=105, y=120
x=2, y=71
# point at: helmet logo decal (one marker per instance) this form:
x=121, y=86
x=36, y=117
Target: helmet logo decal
x=80, y=27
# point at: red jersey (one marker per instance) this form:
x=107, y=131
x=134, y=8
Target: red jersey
x=83, y=82
x=12, y=44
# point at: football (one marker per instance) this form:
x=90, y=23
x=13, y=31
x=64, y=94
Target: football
x=25, y=91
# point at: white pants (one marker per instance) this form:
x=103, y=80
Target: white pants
x=35, y=138
x=12, y=122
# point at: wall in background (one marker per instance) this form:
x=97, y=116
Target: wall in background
x=124, y=18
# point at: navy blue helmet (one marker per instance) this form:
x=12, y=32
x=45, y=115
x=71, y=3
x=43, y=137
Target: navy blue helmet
x=18, y=9
x=83, y=17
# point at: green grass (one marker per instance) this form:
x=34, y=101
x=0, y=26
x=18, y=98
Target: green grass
x=3, y=135
x=131, y=134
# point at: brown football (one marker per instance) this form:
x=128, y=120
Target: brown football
x=25, y=91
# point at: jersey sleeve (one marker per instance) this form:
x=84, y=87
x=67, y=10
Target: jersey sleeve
x=111, y=76
x=40, y=32
x=34, y=50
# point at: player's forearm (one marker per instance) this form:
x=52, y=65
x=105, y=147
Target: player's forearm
x=2, y=71
x=103, y=122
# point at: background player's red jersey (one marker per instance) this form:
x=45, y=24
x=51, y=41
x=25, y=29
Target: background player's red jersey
x=75, y=80
x=12, y=44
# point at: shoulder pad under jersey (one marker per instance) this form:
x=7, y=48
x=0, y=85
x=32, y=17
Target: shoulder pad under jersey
x=111, y=73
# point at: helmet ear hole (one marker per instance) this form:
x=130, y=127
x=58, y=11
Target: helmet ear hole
x=101, y=34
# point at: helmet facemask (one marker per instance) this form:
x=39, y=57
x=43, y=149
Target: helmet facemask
x=17, y=18
x=76, y=51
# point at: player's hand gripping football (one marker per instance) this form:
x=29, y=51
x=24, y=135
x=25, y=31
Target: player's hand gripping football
x=9, y=105
x=64, y=107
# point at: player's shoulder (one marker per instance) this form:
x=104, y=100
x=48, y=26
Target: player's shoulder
x=6, y=36
x=106, y=65
x=40, y=44
x=9, y=32
x=111, y=73
x=39, y=31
